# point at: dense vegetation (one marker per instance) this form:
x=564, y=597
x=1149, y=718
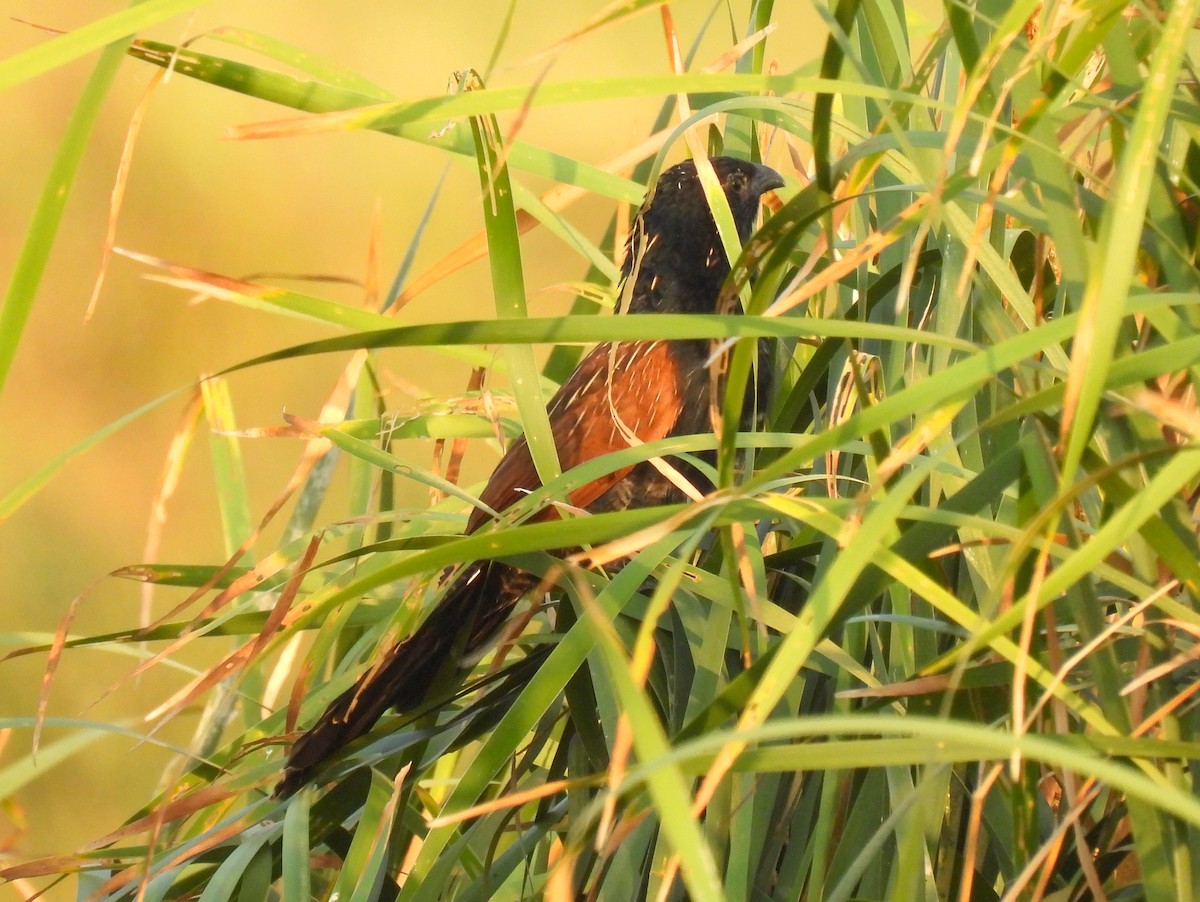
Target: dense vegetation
x=930, y=637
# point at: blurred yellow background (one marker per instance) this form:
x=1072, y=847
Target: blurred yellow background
x=298, y=205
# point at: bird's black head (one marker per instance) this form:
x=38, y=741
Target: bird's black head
x=674, y=253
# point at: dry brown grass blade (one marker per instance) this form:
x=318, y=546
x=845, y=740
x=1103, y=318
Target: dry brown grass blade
x=560, y=885
x=261, y=572
x=333, y=411
x=974, y=826
x=242, y=584
x=1179, y=414
x=1178, y=660
x=118, y=192
x=298, y=694
x=295, y=427
x=848, y=398
x=223, y=669
x=1167, y=708
x=138, y=870
x=640, y=661
x=1016, y=889
x=474, y=248
x=738, y=50
x=246, y=653
x=622, y=742
x=919, y=686
x=49, y=29
x=458, y=449
x=300, y=427
x=342, y=120
x=371, y=279
x=683, y=109
x=560, y=197
x=737, y=535
x=305, y=125
x=519, y=118
x=614, y=13
x=52, y=659
x=54, y=866
x=186, y=806
x=181, y=442
x=247, y=581
x=206, y=284
x=279, y=674
x=283, y=605
x=1040, y=570
x=626, y=545
x=25, y=890
x=512, y=800
x=622, y=831
x=935, y=425
x=868, y=248
x=1110, y=632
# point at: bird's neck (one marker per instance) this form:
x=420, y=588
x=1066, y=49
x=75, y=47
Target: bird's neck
x=660, y=280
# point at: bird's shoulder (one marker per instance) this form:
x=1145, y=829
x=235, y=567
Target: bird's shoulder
x=621, y=394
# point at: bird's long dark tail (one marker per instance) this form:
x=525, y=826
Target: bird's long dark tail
x=473, y=610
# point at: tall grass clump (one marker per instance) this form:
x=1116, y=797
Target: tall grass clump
x=930, y=637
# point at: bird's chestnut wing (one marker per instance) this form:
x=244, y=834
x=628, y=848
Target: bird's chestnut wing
x=617, y=390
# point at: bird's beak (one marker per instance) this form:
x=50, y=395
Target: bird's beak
x=765, y=179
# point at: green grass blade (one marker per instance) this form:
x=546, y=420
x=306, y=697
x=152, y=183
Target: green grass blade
x=111, y=29
x=1120, y=231
x=508, y=287
x=39, y=239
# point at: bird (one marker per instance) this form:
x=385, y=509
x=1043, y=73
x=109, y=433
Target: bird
x=675, y=262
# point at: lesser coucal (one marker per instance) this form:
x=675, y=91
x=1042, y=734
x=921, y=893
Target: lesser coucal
x=674, y=263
